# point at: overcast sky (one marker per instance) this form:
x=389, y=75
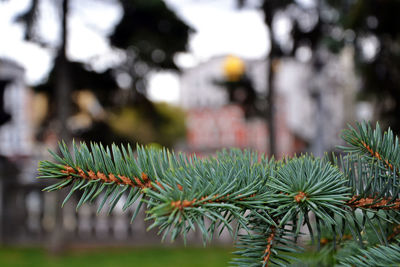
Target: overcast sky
x=220, y=29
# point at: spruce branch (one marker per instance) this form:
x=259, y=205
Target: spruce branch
x=271, y=201
x=308, y=184
x=179, y=192
x=370, y=142
x=266, y=245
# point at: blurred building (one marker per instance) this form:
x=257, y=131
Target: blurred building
x=16, y=135
x=198, y=89
x=310, y=109
x=213, y=128
x=213, y=123
x=319, y=101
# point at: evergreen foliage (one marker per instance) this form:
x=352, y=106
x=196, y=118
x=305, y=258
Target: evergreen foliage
x=272, y=203
x=375, y=256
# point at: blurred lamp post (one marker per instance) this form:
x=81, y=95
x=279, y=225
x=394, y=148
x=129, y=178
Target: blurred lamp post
x=233, y=68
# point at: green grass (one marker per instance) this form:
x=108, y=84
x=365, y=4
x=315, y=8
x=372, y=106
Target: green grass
x=116, y=257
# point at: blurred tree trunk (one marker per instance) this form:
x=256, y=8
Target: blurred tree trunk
x=273, y=55
x=63, y=90
x=270, y=116
x=63, y=86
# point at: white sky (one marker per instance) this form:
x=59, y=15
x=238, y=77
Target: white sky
x=220, y=29
x=223, y=29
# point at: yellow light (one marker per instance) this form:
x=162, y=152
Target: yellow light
x=233, y=68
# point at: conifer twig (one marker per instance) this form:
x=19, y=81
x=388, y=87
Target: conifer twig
x=354, y=196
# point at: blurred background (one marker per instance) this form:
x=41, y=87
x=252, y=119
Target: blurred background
x=277, y=76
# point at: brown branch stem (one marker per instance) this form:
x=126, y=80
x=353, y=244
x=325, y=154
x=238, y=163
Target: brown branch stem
x=268, y=251
x=373, y=203
x=377, y=155
x=144, y=182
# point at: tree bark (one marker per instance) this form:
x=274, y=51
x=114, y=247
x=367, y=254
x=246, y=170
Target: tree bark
x=63, y=91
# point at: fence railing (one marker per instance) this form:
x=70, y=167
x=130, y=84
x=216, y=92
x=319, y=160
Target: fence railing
x=28, y=216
